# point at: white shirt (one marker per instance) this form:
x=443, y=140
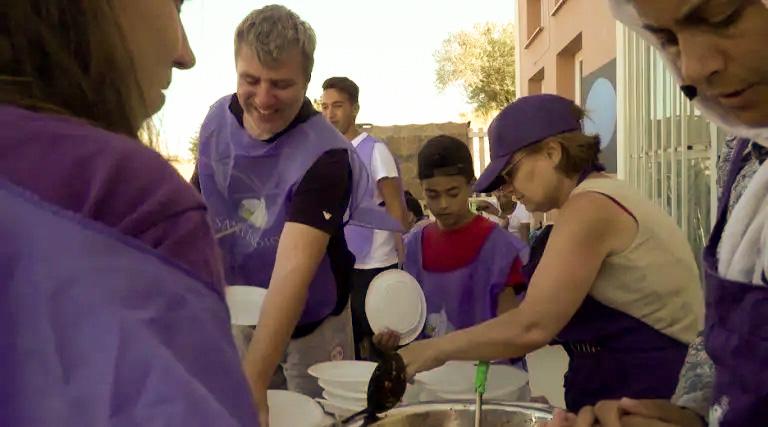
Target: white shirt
x=383, y=250
x=492, y=218
x=519, y=216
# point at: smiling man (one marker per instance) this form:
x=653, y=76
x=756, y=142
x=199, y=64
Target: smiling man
x=280, y=183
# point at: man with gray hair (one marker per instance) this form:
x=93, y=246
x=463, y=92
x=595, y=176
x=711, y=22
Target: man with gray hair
x=280, y=183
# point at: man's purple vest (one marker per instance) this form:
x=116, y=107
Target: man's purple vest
x=736, y=330
x=360, y=239
x=248, y=186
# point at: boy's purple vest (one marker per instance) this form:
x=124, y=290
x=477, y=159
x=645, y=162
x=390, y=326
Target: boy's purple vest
x=248, y=186
x=360, y=239
x=98, y=329
x=465, y=297
x=736, y=330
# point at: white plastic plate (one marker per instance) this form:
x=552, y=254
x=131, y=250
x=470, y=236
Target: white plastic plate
x=395, y=301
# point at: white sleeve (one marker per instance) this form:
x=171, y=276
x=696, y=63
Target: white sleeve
x=492, y=218
x=522, y=214
x=383, y=163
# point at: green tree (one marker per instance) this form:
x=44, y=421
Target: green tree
x=318, y=104
x=194, y=145
x=482, y=61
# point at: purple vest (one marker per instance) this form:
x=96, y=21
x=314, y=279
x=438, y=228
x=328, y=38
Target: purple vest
x=468, y=296
x=360, y=239
x=98, y=329
x=611, y=353
x=736, y=331
x=248, y=185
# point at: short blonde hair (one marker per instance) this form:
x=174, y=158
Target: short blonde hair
x=274, y=30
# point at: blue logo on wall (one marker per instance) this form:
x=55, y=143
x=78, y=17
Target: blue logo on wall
x=601, y=111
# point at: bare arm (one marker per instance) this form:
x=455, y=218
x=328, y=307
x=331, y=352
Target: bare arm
x=283, y=305
x=590, y=227
x=507, y=301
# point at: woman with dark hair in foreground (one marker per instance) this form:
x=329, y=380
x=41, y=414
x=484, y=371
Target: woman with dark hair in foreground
x=111, y=304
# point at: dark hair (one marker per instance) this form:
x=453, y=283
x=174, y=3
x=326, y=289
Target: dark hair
x=580, y=152
x=445, y=155
x=69, y=57
x=413, y=205
x=345, y=86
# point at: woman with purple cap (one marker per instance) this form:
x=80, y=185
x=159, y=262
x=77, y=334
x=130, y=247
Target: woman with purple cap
x=714, y=50
x=112, y=310
x=617, y=284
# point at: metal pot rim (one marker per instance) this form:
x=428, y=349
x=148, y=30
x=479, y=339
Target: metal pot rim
x=535, y=409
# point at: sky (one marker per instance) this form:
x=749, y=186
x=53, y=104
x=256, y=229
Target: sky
x=385, y=47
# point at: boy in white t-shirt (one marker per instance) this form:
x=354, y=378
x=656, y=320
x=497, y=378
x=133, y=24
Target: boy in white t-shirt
x=375, y=250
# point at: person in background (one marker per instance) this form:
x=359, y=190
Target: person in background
x=280, y=183
x=710, y=48
x=518, y=218
x=490, y=210
x=617, y=283
x=415, y=210
x=509, y=214
x=468, y=267
x=375, y=250
x=112, y=309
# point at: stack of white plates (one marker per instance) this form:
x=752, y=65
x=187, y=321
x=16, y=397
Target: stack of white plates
x=344, y=383
x=456, y=381
x=395, y=301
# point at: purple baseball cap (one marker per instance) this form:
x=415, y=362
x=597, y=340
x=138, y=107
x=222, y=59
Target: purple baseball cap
x=526, y=121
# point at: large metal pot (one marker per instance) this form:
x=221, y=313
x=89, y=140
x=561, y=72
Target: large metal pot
x=461, y=414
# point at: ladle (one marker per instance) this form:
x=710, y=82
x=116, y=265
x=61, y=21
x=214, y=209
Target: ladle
x=385, y=388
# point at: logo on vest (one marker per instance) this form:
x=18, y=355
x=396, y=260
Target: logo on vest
x=438, y=324
x=337, y=353
x=254, y=211
x=327, y=215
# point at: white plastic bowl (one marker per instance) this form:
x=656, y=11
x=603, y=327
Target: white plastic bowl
x=343, y=401
x=358, y=394
x=244, y=304
x=458, y=379
x=290, y=409
x=346, y=375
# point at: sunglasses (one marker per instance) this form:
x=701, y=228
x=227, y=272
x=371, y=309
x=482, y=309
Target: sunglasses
x=508, y=175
